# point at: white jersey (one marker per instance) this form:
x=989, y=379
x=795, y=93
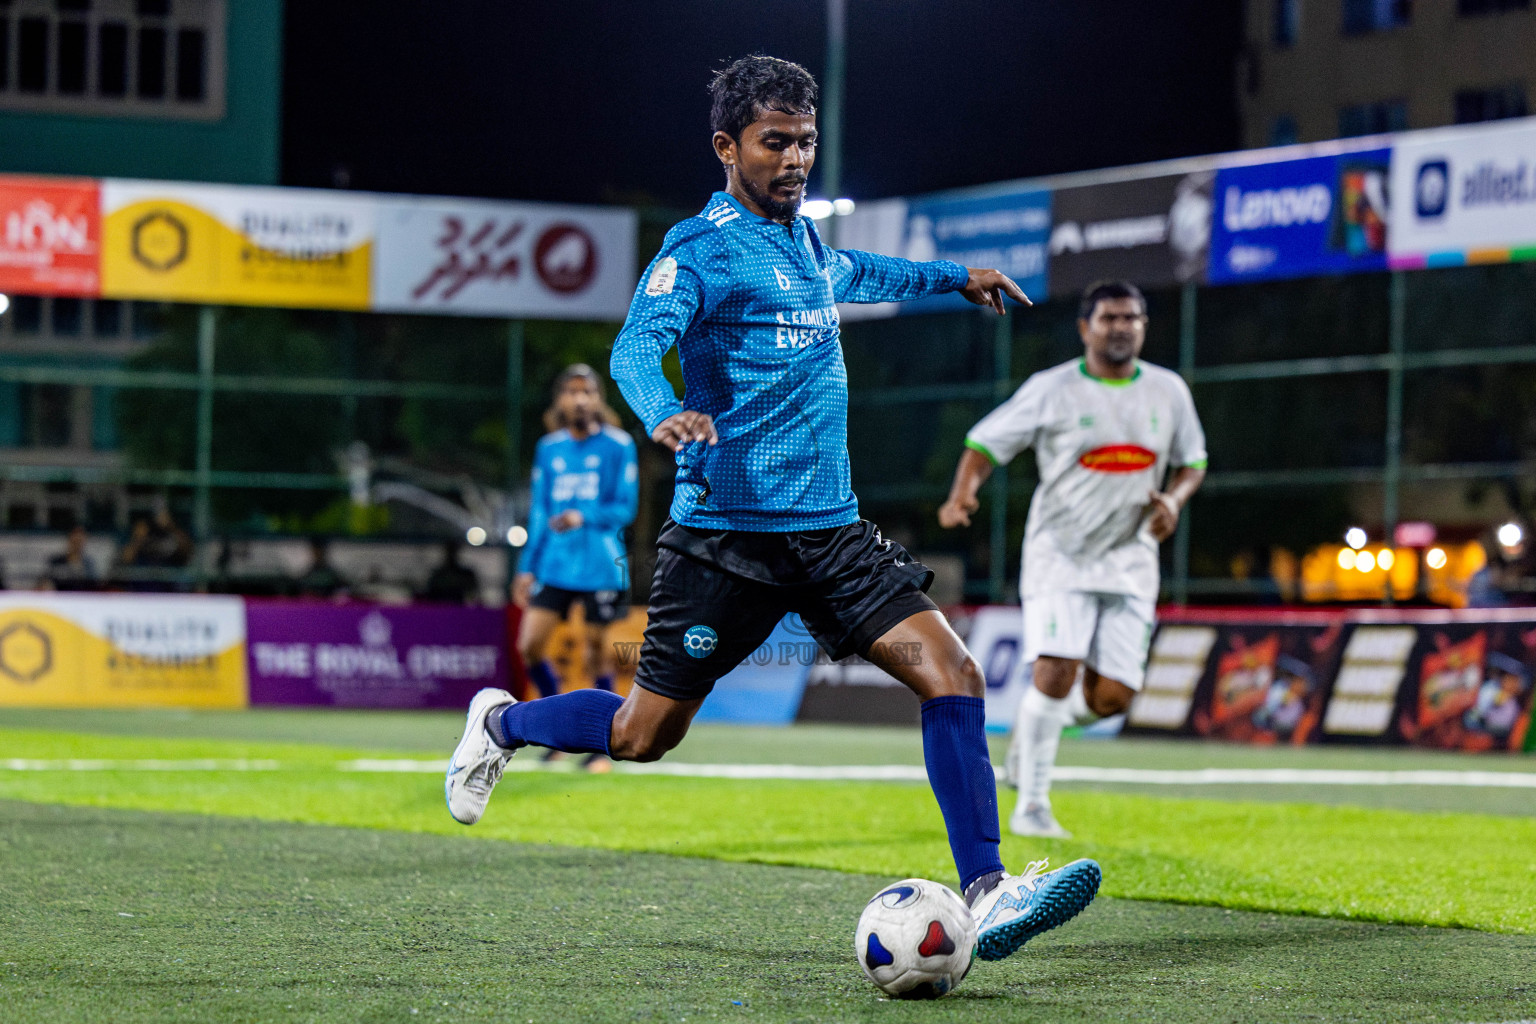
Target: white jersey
x=1101, y=446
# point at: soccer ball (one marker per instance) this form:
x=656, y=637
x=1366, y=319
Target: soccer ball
x=916, y=939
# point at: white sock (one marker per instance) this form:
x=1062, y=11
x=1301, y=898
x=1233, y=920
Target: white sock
x=1038, y=731
x=1077, y=706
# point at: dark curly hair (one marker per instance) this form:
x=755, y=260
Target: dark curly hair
x=741, y=92
x=1101, y=290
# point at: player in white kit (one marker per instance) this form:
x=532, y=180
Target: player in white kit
x=1107, y=430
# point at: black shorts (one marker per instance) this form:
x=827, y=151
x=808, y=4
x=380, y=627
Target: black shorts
x=717, y=595
x=601, y=606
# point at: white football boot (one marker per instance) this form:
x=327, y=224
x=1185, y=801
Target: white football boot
x=1024, y=906
x=1036, y=820
x=477, y=761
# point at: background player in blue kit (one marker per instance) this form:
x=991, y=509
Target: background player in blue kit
x=764, y=521
x=582, y=497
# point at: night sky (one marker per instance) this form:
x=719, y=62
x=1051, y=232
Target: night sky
x=606, y=102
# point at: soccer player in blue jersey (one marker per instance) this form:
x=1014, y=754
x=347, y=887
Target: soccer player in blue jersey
x=582, y=496
x=764, y=522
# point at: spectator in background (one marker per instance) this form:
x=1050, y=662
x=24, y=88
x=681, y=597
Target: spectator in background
x=322, y=579
x=1500, y=582
x=155, y=547
x=452, y=583
x=72, y=568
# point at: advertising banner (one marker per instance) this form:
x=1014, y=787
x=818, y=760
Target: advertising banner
x=1296, y=218
x=50, y=236
x=279, y=247
x=1154, y=232
x=1450, y=683
x=1008, y=232
x=89, y=650
x=1467, y=195
x=359, y=656
x=504, y=259
x=1267, y=684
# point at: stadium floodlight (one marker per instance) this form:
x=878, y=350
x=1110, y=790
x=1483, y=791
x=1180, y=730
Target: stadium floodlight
x=517, y=536
x=5, y=303
x=842, y=207
x=1510, y=535
x=475, y=535
x=1355, y=537
x=1385, y=558
x=1435, y=558
x=1346, y=558
x=817, y=209
x=1365, y=561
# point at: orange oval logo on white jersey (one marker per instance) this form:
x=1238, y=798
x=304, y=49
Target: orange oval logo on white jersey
x=1117, y=458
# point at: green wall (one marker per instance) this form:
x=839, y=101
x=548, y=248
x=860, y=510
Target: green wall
x=240, y=148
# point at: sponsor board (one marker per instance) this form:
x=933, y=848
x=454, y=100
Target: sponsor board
x=246, y=246
x=86, y=650
x=362, y=656
x=1267, y=685
x=1297, y=218
x=1008, y=232
x=1153, y=231
x=50, y=236
x=1465, y=195
x=504, y=259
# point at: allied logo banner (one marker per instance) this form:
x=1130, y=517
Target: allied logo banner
x=1465, y=195
x=1153, y=231
x=84, y=650
x=505, y=259
x=300, y=248
x=50, y=236
x=1297, y=218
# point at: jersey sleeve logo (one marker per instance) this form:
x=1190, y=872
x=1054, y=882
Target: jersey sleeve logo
x=663, y=277
x=1117, y=458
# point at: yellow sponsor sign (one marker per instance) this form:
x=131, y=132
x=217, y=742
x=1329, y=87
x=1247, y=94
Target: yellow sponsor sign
x=88, y=650
x=244, y=246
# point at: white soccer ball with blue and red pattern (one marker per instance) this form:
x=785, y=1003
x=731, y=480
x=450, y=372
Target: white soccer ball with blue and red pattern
x=916, y=939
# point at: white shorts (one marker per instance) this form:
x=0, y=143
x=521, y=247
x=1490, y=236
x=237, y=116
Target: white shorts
x=1110, y=633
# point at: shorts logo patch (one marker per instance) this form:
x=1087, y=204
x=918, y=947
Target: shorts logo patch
x=1117, y=458
x=700, y=641
x=663, y=277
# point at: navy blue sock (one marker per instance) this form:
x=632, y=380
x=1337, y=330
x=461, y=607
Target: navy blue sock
x=543, y=675
x=578, y=722
x=604, y=682
x=960, y=772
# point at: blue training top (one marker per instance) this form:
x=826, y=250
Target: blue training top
x=597, y=476
x=751, y=306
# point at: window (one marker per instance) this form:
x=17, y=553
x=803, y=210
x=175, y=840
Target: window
x=1373, y=118
x=146, y=58
x=1490, y=104
x=46, y=414
x=1282, y=131
x=1287, y=22
x=26, y=314
x=1473, y=8
x=68, y=315
x=1362, y=16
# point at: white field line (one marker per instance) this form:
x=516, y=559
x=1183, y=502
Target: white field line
x=836, y=773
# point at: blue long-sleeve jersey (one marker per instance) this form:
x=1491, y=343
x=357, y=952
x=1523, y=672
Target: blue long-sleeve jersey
x=751, y=306
x=597, y=476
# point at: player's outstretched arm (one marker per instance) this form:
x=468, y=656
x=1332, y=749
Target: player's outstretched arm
x=970, y=474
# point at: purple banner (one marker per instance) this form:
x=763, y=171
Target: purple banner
x=364, y=656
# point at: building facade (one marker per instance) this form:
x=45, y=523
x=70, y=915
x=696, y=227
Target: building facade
x=1323, y=69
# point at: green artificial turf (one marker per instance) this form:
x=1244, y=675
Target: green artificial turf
x=140, y=918
x=1384, y=865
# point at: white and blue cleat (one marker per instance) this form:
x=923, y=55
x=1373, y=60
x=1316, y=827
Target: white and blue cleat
x=477, y=761
x=1024, y=906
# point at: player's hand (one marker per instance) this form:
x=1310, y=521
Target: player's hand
x=987, y=288
x=957, y=512
x=1163, y=510
x=522, y=589
x=685, y=428
x=568, y=520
